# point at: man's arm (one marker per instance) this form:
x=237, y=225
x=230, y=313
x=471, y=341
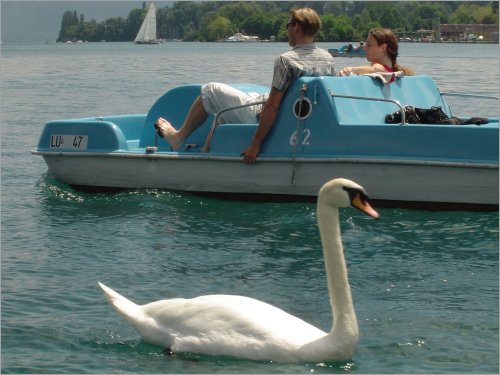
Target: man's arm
x=266, y=122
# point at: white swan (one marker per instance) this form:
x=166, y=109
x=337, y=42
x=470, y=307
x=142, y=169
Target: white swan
x=247, y=328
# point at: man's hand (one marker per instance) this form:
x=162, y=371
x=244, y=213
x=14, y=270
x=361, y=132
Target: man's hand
x=250, y=154
x=267, y=117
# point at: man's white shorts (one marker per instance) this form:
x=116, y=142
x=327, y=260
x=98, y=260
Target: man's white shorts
x=218, y=96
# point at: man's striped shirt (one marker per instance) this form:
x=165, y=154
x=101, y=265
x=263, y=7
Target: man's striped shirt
x=302, y=60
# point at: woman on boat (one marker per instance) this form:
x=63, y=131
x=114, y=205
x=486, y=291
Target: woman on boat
x=381, y=51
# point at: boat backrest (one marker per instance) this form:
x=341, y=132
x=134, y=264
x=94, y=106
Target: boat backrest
x=346, y=126
x=289, y=128
x=173, y=106
x=328, y=112
x=418, y=91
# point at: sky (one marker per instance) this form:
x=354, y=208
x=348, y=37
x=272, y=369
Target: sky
x=37, y=22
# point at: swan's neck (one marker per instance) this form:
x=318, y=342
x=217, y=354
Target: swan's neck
x=344, y=318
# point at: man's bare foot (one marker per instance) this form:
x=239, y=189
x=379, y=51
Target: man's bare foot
x=168, y=132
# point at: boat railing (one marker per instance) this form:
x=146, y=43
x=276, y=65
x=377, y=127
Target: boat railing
x=463, y=95
x=333, y=95
x=393, y=101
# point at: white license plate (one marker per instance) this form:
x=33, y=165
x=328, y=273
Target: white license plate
x=72, y=142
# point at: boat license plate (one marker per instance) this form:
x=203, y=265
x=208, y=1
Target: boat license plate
x=73, y=142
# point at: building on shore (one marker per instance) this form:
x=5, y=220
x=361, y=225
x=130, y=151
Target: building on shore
x=456, y=32
x=460, y=32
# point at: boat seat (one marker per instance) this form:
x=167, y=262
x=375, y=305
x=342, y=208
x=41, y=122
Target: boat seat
x=232, y=138
x=174, y=106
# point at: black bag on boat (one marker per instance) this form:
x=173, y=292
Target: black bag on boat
x=415, y=115
x=475, y=121
x=433, y=115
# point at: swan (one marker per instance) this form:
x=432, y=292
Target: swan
x=248, y=328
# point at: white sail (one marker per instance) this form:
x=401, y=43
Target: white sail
x=147, y=32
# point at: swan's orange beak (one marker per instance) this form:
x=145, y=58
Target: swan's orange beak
x=363, y=205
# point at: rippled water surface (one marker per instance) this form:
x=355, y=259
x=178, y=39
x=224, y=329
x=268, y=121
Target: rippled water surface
x=425, y=284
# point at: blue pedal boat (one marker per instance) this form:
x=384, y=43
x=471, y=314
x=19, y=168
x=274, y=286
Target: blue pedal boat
x=327, y=127
x=345, y=52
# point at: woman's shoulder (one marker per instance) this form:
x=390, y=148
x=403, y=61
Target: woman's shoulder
x=378, y=67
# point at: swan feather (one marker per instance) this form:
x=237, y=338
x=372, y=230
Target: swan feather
x=206, y=325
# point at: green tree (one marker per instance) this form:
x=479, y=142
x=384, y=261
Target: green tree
x=342, y=29
x=133, y=23
x=89, y=31
x=238, y=12
x=475, y=13
x=113, y=29
x=262, y=24
x=68, y=26
x=328, y=23
x=362, y=23
x=218, y=28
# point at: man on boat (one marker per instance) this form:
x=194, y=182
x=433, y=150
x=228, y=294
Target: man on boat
x=305, y=59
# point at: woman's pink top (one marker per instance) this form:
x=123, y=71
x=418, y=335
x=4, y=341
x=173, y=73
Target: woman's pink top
x=390, y=70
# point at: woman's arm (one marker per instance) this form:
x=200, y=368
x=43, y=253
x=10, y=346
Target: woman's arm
x=366, y=69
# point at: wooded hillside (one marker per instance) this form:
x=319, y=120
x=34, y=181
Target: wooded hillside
x=342, y=20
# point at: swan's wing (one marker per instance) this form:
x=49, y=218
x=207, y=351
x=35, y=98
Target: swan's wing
x=229, y=325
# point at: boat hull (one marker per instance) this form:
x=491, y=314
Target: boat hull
x=148, y=42
x=397, y=183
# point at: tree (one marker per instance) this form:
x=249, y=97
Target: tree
x=262, y=24
x=238, y=12
x=89, y=31
x=133, y=23
x=342, y=29
x=68, y=26
x=113, y=29
x=362, y=23
x=474, y=13
x=218, y=27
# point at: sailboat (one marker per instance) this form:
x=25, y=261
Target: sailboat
x=147, y=32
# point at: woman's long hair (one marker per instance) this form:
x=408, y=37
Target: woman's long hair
x=386, y=36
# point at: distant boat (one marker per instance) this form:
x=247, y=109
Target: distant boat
x=147, y=32
x=239, y=37
x=348, y=51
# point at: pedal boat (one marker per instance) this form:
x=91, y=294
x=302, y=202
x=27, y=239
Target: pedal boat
x=345, y=52
x=327, y=127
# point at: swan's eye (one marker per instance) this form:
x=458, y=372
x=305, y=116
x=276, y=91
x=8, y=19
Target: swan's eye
x=356, y=192
x=359, y=200
x=363, y=196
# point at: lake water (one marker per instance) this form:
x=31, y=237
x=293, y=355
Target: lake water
x=425, y=284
